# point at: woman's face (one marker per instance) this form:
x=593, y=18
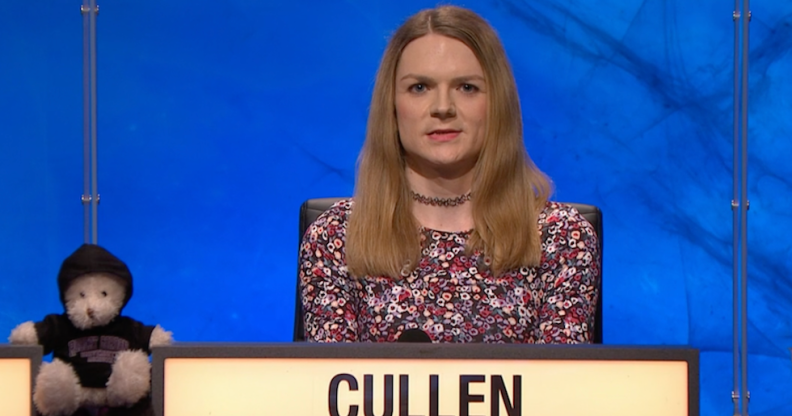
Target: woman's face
x=441, y=106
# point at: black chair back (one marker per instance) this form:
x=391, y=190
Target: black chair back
x=312, y=208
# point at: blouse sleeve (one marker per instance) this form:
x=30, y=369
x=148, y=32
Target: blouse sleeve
x=329, y=294
x=570, y=276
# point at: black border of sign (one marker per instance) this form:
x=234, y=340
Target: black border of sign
x=424, y=351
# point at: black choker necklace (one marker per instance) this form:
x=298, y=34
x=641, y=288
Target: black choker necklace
x=440, y=202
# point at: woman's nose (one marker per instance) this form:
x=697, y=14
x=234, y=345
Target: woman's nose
x=443, y=106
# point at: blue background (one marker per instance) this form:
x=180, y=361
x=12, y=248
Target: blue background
x=217, y=119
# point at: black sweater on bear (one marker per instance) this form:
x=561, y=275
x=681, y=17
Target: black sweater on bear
x=92, y=351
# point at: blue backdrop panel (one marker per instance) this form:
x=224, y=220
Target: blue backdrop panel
x=216, y=120
x=40, y=155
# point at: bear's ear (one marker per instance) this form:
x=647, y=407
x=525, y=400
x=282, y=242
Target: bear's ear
x=24, y=334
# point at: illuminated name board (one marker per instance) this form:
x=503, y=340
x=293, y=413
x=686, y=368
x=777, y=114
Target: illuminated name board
x=18, y=364
x=15, y=387
x=422, y=387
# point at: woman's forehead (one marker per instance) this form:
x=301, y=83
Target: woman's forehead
x=438, y=55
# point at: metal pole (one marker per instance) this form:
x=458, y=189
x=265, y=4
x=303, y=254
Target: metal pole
x=94, y=179
x=90, y=197
x=740, y=394
x=745, y=393
x=86, y=196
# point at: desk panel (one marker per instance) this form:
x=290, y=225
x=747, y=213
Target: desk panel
x=18, y=366
x=414, y=380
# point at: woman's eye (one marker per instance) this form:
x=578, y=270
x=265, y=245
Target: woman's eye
x=418, y=88
x=469, y=88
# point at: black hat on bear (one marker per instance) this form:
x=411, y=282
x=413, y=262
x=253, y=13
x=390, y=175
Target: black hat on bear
x=91, y=258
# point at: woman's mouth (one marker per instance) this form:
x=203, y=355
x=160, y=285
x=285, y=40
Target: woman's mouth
x=443, y=135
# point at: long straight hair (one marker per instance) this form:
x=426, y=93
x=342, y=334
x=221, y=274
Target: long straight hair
x=509, y=191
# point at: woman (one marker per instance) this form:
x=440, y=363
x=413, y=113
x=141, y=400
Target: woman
x=450, y=230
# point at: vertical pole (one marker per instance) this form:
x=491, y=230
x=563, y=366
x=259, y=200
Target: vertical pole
x=90, y=196
x=745, y=393
x=736, y=217
x=94, y=149
x=86, y=196
x=741, y=396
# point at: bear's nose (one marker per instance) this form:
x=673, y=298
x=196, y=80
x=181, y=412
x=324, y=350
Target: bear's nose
x=90, y=313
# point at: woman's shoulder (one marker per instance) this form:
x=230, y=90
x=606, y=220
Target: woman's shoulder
x=337, y=214
x=562, y=224
x=556, y=212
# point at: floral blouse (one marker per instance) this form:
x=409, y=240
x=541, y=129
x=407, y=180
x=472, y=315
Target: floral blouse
x=450, y=296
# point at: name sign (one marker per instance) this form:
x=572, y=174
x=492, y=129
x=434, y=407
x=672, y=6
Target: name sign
x=18, y=364
x=444, y=380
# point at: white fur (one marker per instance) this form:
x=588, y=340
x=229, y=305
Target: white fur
x=94, y=300
x=93, y=396
x=57, y=390
x=24, y=334
x=130, y=380
x=160, y=337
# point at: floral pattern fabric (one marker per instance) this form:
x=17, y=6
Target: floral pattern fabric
x=451, y=295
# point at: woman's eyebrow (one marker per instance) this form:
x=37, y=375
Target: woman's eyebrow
x=424, y=78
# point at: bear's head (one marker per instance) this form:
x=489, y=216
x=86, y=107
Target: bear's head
x=94, y=286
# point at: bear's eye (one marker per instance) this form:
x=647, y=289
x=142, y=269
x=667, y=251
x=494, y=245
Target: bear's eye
x=104, y=293
x=82, y=294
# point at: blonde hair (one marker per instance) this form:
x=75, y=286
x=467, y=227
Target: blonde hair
x=509, y=191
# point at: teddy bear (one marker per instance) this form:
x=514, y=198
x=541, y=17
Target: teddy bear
x=100, y=359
